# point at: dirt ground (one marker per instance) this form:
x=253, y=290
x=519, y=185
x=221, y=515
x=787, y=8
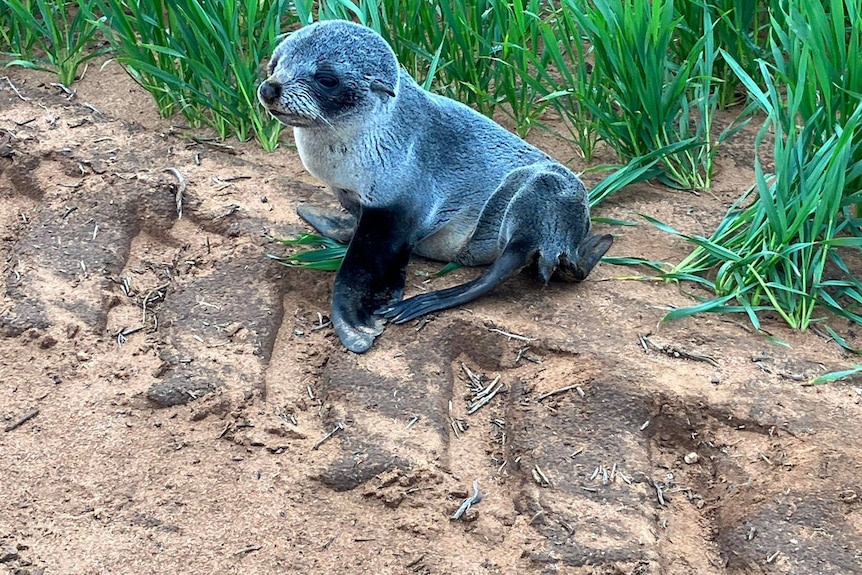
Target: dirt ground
x=175, y=402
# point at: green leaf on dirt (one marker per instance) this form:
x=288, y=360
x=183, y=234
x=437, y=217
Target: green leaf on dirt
x=327, y=256
x=834, y=376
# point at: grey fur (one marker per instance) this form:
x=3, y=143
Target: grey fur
x=444, y=181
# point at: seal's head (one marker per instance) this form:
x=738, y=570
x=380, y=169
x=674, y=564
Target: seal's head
x=328, y=73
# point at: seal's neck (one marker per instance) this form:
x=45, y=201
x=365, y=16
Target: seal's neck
x=344, y=155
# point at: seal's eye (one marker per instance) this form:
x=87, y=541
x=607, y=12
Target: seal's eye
x=326, y=80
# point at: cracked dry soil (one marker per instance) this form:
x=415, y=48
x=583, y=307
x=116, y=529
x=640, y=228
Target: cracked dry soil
x=180, y=385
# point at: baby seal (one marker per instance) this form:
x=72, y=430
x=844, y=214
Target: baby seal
x=417, y=173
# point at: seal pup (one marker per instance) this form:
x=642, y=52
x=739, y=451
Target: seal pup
x=417, y=173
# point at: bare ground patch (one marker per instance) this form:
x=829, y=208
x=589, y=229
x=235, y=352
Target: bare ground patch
x=190, y=409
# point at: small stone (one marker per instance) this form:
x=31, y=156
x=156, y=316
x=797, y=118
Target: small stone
x=392, y=500
x=8, y=553
x=286, y=432
x=231, y=329
x=691, y=458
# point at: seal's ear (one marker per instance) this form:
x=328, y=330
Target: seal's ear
x=378, y=85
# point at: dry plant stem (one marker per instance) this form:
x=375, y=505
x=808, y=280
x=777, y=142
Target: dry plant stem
x=65, y=89
x=540, y=477
x=93, y=109
x=575, y=386
x=21, y=420
x=215, y=145
x=14, y=89
x=674, y=352
x=474, y=378
x=511, y=335
x=154, y=295
x=469, y=502
x=484, y=396
x=181, y=188
x=486, y=390
x=338, y=427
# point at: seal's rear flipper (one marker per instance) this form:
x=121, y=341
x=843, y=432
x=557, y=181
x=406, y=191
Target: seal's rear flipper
x=331, y=223
x=590, y=251
x=510, y=262
x=371, y=276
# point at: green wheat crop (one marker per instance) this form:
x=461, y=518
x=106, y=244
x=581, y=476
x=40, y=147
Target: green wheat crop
x=783, y=252
x=738, y=29
x=202, y=59
x=50, y=36
x=16, y=38
x=644, y=100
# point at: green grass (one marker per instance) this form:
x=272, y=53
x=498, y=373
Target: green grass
x=323, y=254
x=738, y=29
x=642, y=99
x=783, y=252
x=51, y=36
x=16, y=38
x=834, y=376
x=201, y=59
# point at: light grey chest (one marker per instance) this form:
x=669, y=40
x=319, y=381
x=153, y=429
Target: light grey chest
x=336, y=163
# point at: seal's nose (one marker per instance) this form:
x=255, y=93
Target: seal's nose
x=269, y=92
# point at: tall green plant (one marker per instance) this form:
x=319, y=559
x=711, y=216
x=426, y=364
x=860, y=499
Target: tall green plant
x=820, y=44
x=16, y=38
x=202, y=59
x=566, y=78
x=775, y=253
x=738, y=28
x=51, y=36
x=645, y=100
x=517, y=26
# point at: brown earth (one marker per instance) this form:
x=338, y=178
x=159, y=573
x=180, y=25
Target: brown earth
x=182, y=387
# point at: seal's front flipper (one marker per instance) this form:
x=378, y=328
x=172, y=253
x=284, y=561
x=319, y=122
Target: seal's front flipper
x=371, y=276
x=331, y=223
x=510, y=262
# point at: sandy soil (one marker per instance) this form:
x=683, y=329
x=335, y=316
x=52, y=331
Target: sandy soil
x=175, y=402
